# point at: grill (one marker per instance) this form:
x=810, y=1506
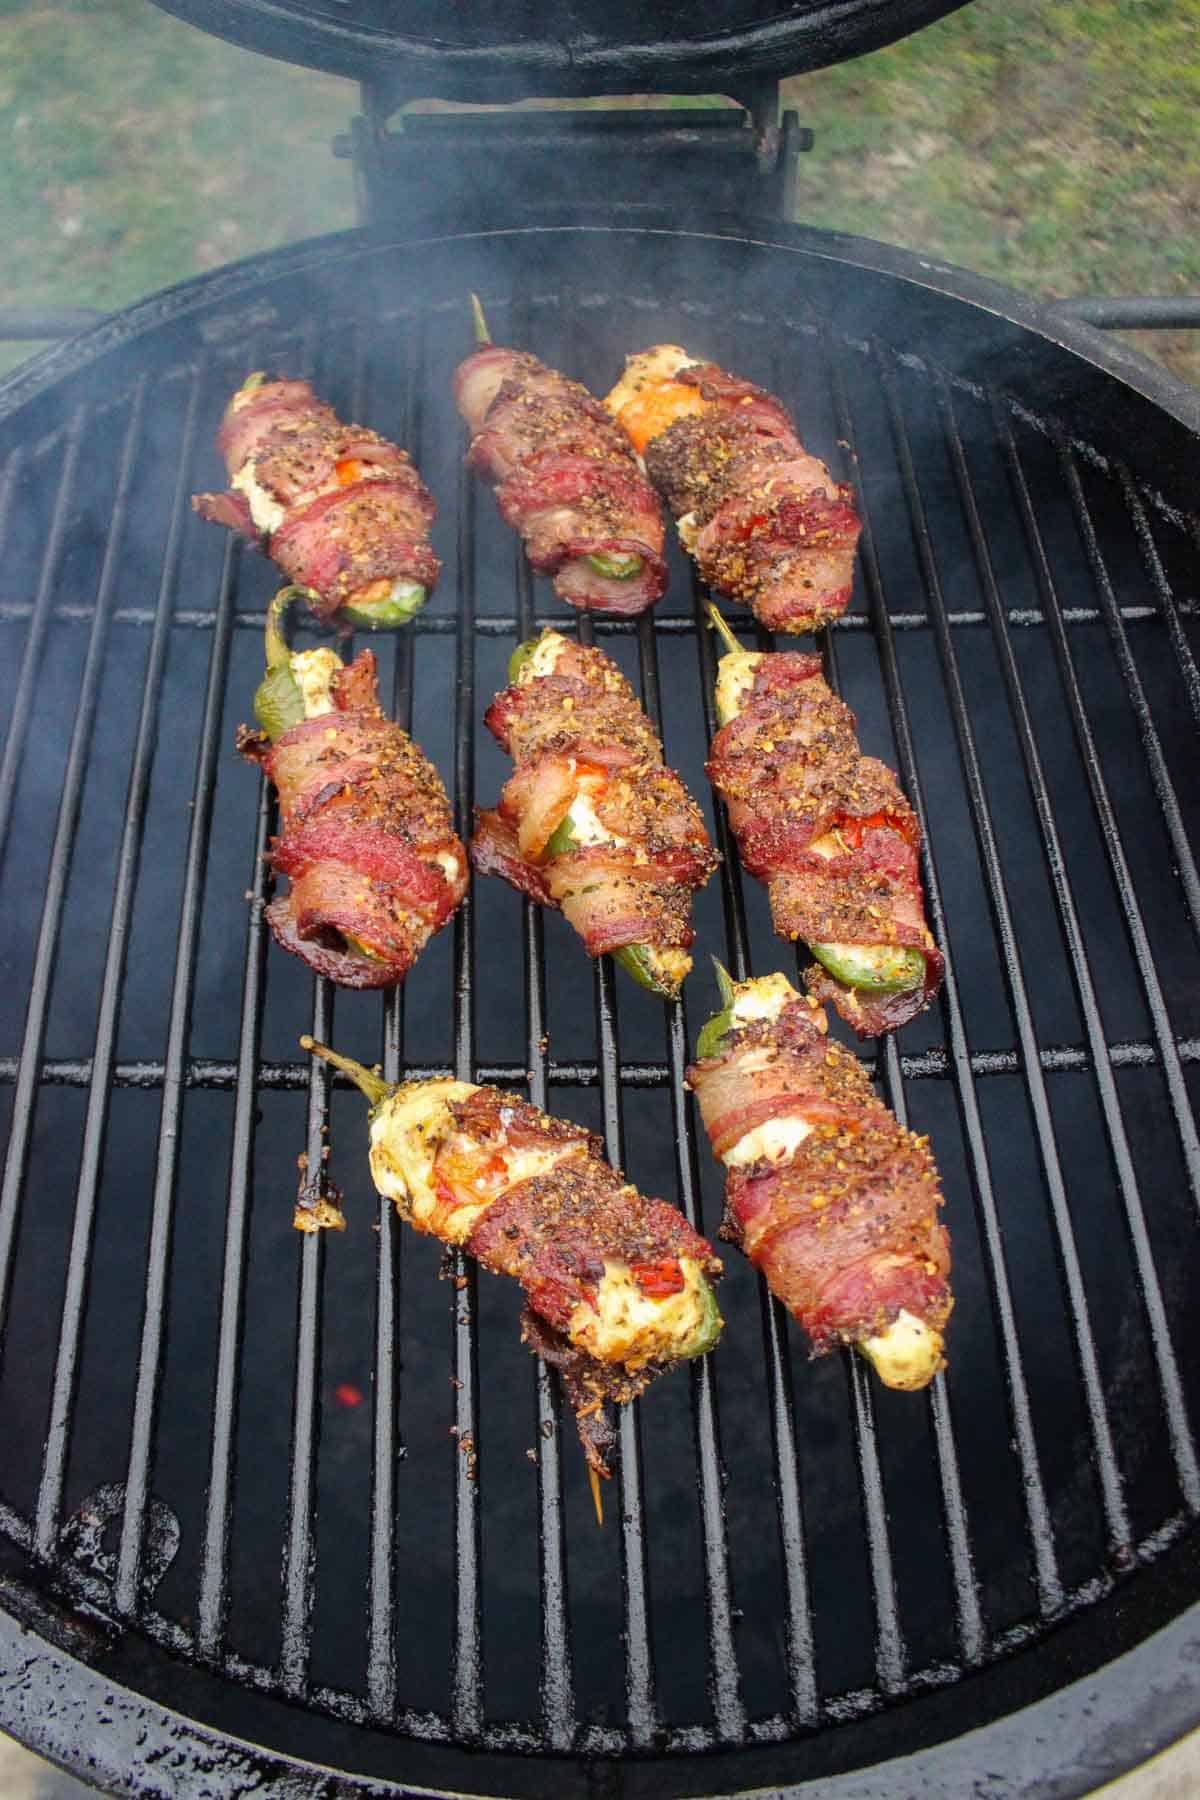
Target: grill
x=325, y=1507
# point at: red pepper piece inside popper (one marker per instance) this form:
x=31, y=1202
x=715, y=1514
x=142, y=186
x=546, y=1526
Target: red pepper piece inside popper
x=829, y=832
x=826, y=1192
x=618, y=1287
x=366, y=836
x=591, y=821
x=565, y=477
x=339, y=509
x=765, y=521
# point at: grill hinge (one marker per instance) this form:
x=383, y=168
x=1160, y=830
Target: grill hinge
x=467, y=168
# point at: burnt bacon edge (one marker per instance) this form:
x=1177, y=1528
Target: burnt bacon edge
x=869, y=1014
x=302, y=547
x=591, y=1385
x=314, y=833
x=495, y=848
x=909, y=1285
x=750, y=537
x=574, y=558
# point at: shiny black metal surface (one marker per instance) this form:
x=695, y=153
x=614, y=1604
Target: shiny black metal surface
x=801, y=1573
x=512, y=49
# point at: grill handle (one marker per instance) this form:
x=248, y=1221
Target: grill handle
x=31, y=324
x=1133, y=312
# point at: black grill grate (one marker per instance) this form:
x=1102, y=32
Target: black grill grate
x=796, y=1549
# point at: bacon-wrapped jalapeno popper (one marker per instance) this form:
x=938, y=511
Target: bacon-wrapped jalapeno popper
x=366, y=835
x=826, y=1192
x=340, y=510
x=617, y=1287
x=565, y=479
x=830, y=833
x=765, y=521
x=591, y=821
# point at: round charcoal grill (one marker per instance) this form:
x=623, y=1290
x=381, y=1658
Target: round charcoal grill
x=268, y=1501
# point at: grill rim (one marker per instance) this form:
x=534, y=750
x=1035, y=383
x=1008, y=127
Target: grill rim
x=256, y=266
x=35, y=379
x=1098, y=1728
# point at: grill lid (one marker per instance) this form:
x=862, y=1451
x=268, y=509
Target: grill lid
x=516, y=48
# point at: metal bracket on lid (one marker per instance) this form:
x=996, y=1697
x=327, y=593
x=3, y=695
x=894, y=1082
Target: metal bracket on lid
x=465, y=167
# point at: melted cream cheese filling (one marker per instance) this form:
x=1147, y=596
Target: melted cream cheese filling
x=907, y=1355
x=265, y=510
x=623, y=1320
x=735, y=678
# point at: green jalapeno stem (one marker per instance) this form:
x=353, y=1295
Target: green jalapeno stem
x=483, y=336
x=278, y=701
x=716, y=1030
x=722, y=630
x=376, y=1089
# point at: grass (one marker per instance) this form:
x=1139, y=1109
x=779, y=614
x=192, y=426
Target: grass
x=1053, y=146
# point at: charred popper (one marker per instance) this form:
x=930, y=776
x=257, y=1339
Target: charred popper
x=765, y=520
x=830, y=833
x=565, y=478
x=366, y=835
x=617, y=1287
x=339, y=509
x=591, y=821
x=826, y=1192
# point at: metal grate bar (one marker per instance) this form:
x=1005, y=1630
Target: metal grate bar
x=467, y=1701
x=100, y=1071
x=927, y=1065
x=891, y=1655
x=1168, y=606
x=299, y=1550
x=798, y=1621
x=724, y=1676
x=557, y=1677
x=641, y=1703
x=213, y=1599
x=14, y=746
x=1056, y=862
x=24, y=1101
x=972, y=1633
x=203, y=618
x=1047, y=1579
x=1107, y=1470
x=1168, y=1053
x=145, y=1405
x=385, y=1395
x=1151, y=744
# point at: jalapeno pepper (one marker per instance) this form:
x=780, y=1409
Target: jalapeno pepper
x=619, y=566
x=639, y=960
x=879, y=968
x=396, y=608
x=520, y=657
x=711, y=1040
x=278, y=702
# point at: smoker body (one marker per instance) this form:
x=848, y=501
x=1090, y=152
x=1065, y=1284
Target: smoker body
x=806, y=1576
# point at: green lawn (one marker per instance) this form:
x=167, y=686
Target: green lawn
x=1053, y=145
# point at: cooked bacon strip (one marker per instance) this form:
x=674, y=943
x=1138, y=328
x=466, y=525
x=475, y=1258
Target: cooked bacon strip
x=617, y=1286
x=338, y=508
x=565, y=480
x=830, y=833
x=826, y=1192
x=366, y=839
x=765, y=520
x=590, y=820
